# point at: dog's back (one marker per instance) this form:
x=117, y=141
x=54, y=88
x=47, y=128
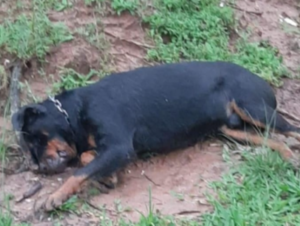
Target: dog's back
x=186, y=78
x=176, y=103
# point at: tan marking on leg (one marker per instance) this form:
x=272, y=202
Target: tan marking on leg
x=248, y=119
x=293, y=134
x=70, y=187
x=87, y=157
x=283, y=149
x=245, y=117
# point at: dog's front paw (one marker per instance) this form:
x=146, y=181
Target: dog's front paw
x=69, y=188
x=55, y=200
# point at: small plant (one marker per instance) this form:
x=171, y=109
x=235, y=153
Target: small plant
x=31, y=36
x=178, y=196
x=70, y=206
x=124, y=5
x=70, y=79
x=6, y=220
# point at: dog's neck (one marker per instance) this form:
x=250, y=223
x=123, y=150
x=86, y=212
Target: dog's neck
x=71, y=104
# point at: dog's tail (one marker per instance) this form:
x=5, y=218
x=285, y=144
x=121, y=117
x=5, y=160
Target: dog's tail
x=265, y=117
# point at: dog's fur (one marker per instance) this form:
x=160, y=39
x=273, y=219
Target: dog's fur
x=159, y=108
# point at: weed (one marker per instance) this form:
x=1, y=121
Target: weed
x=94, y=36
x=60, y=5
x=70, y=79
x=70, y=206
x=31, y=36
x=5, y=220
x=124, y=5
x=178, y=196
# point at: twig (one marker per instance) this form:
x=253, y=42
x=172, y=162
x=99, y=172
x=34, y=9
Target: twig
x=185, y=212
x=32, y=190
x=129, y=41
x=149, y=179
x=14, y=106
x=243, y=10
x=112, y=212
x=6, y=171
x=14, y=89
x=289, y=115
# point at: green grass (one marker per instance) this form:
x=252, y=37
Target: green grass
x=263, y=190
x=201, y=30
x=70, y=79
x=28, y=37
x=31, y=35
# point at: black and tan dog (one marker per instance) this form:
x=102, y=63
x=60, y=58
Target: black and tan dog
x=160, y=108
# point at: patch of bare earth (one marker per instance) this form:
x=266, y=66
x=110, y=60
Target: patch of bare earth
x=266, y=24
x=178, y=183
x=264, y=18
x=178, y=180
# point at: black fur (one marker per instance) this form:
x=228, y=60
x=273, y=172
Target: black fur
x=160, y=108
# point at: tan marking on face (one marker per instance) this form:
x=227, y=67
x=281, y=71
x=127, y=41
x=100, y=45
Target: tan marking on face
x=91, y=141
x=56, y=145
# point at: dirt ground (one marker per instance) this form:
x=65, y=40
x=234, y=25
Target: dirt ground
x=178, y=180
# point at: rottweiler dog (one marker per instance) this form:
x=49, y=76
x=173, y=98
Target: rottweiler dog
x=149, y=109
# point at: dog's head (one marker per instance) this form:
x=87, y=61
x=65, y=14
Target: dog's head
x=47, y=137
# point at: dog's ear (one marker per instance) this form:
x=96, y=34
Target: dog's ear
x=26, y=113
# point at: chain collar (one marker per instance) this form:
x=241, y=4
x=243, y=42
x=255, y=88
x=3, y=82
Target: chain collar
x=58, y=105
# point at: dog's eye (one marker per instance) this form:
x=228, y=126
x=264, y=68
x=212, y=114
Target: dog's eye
x=41, y=139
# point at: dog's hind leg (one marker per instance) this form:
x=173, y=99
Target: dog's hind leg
x=254, y=139
x=265, y=117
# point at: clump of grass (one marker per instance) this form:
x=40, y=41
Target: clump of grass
x=70, y=206
x=123, y=5
x=201, y=30
x=31, y=36
x=263, y=190
x=71, y=79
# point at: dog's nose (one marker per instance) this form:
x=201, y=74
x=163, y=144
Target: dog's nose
x=43, y=167
x=34, y=167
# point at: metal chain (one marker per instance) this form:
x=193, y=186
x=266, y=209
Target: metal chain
x=58, y=105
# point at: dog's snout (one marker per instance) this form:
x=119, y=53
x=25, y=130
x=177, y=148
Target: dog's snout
x=43, y=167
